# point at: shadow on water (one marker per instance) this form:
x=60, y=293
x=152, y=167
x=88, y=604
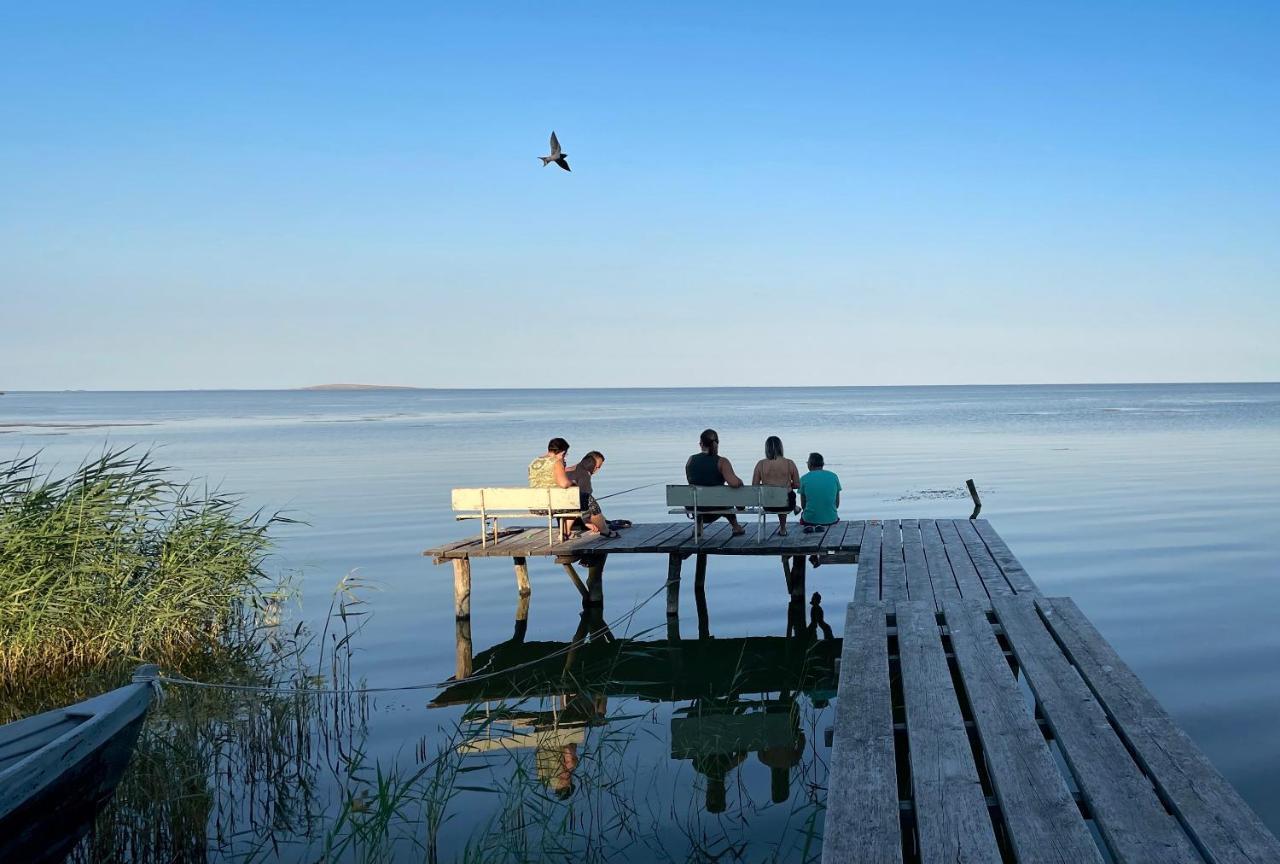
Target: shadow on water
x=548, y=750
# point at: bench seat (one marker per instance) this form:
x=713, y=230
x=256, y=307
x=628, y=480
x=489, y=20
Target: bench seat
x=493, y=503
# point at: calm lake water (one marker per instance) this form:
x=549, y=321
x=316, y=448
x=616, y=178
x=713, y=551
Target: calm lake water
x=1154, y=507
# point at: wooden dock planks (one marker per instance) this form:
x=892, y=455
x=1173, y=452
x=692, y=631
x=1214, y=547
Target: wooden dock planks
x=1017, y=577
x=862, y=821
x=952, y=822
x=988, y=570
x=893, y=571
x=919, y=586
x=1222, y=825
x=967, y=579
x=866, y=587
x=1041, y=817
x=1125, y=808
x=941, y=579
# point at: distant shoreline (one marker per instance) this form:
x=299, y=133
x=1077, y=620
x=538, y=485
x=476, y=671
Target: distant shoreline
x=358, y=387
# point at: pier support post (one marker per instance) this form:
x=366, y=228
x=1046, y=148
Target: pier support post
x=674, y=563
x=522, y=618
x=795, y=584
x=463, y=655
x=700, y=596
x=462, y=588
x=522, y=576
x=574, y=578
x=595, y=581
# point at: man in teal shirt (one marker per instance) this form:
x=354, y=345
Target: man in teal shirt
x=819, y=494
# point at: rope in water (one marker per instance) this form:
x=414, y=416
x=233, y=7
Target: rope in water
x=359, y=691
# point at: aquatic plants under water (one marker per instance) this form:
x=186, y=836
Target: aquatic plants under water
x=115, y=562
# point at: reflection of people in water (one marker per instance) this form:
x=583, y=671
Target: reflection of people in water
x=557, y=756
x=780, y=761
x=556, y=764
x=716, y=767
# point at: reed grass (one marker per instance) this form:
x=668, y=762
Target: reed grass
x=115, y=561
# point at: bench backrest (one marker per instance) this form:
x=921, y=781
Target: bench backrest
x=515, y=498
x=711, y=497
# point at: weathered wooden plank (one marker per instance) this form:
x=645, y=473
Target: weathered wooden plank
x=1013, y=571
x=952, y=822
x=917, y=571
x=680, y=533
x=458, y=548
x=1132, y=821
x=853, y=536
x=970, y=584
x=835, y=535
x=867, y=583
x=862, y=822
x=893, y=574
x=941, y=579
x=635, y=537
x=713, y=536
x=747, y=544
x=988, y=570
x=522, y=538
x=797, y=541
x=1041, y=817
x=1222, y=825
x=580, y=545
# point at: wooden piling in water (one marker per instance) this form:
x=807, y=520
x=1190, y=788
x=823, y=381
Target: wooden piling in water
x=595, y=581
x=522, y=576
x=462, y=588
x=463, y=652
x=674, y=562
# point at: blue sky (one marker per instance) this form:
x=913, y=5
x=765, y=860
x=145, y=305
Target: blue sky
x=265, y=195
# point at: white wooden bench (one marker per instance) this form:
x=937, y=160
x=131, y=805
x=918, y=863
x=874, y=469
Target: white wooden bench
x=490, y=505
x=724, y=500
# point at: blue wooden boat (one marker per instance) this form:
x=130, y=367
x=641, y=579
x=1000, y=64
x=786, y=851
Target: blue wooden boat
x=58, y=768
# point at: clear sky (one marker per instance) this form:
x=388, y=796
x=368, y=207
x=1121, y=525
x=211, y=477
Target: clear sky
x=282, y=194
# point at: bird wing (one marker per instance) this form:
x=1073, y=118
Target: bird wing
x=555, y=145
x=563, y=163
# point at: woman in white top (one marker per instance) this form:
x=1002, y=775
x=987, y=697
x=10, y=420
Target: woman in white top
x=777, y=470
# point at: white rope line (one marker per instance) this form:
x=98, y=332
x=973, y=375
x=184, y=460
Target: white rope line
x=322, y=691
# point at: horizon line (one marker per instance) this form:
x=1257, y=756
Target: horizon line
x=373, y=388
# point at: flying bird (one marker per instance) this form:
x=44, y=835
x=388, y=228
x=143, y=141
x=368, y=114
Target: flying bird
x=557, y=156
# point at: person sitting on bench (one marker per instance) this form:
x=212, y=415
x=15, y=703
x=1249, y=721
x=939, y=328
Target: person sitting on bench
x=548, y=472
x=819, y=498
x=580, y=475
x=709, y=468
x=777, y=470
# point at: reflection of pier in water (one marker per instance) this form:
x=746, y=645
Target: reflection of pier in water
x=741, y=693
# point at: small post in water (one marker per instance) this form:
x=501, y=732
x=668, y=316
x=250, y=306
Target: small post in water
x=977, y=502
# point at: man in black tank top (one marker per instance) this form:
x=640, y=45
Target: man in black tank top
x=709, y=468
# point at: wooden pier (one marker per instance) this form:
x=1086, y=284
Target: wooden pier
x=976, y=720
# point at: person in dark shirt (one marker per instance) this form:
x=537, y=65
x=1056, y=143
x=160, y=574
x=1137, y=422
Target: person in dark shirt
x=580, y=475
x=708, y=468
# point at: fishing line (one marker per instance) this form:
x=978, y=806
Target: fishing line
x=625, y=491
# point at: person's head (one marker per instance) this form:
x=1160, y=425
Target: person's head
x=557, y=445
x=815, y=462
x=773, y=447
x=709, y=441
x=593, y=461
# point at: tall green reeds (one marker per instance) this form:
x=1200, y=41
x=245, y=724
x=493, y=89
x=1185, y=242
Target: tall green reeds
x=114, y=561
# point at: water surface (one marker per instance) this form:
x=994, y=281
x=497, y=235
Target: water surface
x=1153, y=506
